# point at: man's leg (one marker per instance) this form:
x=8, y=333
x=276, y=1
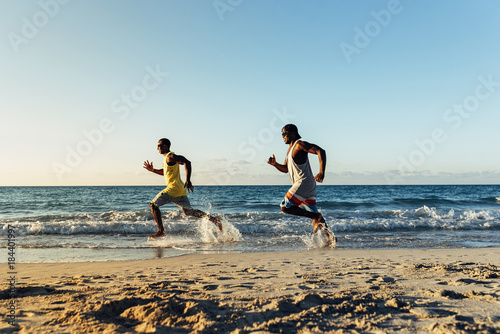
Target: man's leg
x=155, y=204
x=318, y=220
x=183, y=203
x=157, y=217
x=296, y=211
x=316, y=217
x=200, y=214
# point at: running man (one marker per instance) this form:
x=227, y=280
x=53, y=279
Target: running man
x=300, y=200
x=175, y=192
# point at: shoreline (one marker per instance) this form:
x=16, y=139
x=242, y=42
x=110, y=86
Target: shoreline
x=376, y=290
x=91, y=255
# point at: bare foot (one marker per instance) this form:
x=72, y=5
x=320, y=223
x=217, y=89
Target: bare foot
x=319, y=223
x=216, y=221
x=331, y=239
x=158, y=234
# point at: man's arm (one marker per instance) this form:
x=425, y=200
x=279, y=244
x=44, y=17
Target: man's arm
x=149, y=166
x=280, y=167
x=314, y=149
x=181, y=160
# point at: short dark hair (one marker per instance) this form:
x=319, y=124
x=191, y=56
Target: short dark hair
x=292, y=128
x=165, y=141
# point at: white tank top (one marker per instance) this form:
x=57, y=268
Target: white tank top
x=303, y=183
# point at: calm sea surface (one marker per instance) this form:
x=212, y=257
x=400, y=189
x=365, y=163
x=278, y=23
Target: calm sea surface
x=70, y=224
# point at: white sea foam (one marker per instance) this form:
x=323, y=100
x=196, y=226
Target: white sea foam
x=254, y=224
x=426, y=212
x=80, y=227
x=479, y=215
x=171, y=241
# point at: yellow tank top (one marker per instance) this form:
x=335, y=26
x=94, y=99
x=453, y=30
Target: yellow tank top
x=175, y=186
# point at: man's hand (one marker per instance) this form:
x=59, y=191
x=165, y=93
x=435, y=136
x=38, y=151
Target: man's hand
x=272, y=160
x=319, y=178
x=188, y=186
x=149, y=166
x=280, y=167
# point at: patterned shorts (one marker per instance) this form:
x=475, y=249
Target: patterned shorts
x=308, y=204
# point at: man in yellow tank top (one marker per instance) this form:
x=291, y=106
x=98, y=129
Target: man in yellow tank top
x=176, y=190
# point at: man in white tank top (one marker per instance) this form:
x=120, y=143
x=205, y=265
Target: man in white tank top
x=300, y=200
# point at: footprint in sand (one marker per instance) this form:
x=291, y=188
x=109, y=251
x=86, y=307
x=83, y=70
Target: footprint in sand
x=244, y=285
x=424, y=312
x=210, y=287
x=470, y=281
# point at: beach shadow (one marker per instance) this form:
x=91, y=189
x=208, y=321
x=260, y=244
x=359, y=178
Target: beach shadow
x=32, y=291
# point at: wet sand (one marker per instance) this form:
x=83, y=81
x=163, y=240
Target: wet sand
x=315, y=291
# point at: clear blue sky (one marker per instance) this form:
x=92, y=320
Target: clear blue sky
x=395, y=91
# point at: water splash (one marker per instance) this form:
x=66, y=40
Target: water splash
x=318, y=240
x=210, y=233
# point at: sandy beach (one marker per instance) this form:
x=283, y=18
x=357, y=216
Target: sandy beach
x=315, y=291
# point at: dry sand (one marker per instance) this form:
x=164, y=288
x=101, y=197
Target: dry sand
x=317, y=291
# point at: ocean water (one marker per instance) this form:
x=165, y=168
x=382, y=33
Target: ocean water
x=74, y=224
